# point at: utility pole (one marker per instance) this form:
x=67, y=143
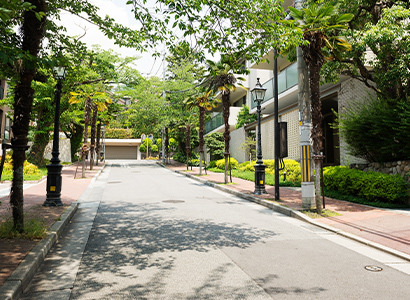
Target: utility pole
x=163, y=95
x=305, y=126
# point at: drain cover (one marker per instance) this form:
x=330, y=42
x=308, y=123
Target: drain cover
x=173, y=201
x=373, y=268
x=114, y=182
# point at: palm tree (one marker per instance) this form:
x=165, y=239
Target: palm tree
x=319, y=24
x=221, y=78
x=94, y=102
x=204, y=103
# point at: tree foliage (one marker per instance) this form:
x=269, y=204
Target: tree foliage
x=244, y=117
x=378, y=33
x=376, y=130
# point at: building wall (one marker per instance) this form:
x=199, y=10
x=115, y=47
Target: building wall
x=237, y=139
x=352, y=92
x=268, y=135
x=292, y=118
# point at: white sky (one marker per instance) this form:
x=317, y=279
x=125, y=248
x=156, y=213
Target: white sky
x=118, y=10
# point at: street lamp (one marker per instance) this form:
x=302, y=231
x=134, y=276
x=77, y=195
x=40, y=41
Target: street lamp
x=54, y=169
x=258, y=94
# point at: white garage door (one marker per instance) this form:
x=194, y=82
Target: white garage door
x=121, y=152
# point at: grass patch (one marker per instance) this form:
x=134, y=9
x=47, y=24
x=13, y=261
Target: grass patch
x=27, y=177
x=360, y=200
x=325, y=213
x=249, y=175
x=34, y=229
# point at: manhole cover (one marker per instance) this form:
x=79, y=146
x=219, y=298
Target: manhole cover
x=373, y=268
x=114, y=182
x=173, y=201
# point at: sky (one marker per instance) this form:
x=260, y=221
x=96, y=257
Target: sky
x=117, y=9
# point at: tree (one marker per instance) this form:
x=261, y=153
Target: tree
x=215, y=145
x=22, y=55
x=378, y=34
x=320, y=23
x=203, y=103
x=249, y=146
x=94, y=101
x=244, y=117
x=222, y=79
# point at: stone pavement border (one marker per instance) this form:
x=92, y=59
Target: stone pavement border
x=295, y=214
x=16, y=283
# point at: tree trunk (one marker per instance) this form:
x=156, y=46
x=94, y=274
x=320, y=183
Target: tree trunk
x=316, y=135
x=93, y=128
x=97, y=144
x=76, y=139
x=201, y=137
x=226, y=104
x=166, y=144
x=87, y=113
x=32, y=31
x=188, y=144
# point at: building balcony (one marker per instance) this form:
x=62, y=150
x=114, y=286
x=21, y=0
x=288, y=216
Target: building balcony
x=216, y=124
x=287, y=86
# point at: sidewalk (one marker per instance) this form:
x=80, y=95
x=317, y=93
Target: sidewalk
x=389, y=228
x=12, y=252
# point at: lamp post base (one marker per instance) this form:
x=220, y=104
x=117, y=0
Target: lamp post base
x=260, y=179
x=53, y=185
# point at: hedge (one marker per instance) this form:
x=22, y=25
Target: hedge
x=233, y=163
x=292, y=169
x=372, y=186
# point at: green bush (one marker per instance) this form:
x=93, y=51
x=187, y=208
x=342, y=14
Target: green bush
x=377, y=130
x=181, y=157
x=292, y=169
x=195, y=162
x=372, y=186
x=247, y=166
x=233, y=163
x=118, y=133
x=212, y=164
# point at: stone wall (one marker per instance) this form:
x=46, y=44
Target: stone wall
x=65, y=150
x=401, y=167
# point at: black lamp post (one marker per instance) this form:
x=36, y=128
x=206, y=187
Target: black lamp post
x=258, y=94
x=54, y=169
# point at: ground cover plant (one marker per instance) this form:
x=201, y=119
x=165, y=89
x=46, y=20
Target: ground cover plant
x=30, y=171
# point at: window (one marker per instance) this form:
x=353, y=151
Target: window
x=7, y=129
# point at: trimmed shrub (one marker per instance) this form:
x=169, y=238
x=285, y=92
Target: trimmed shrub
x=370, y=185
x=247, y=166
x=118, y=133
x=233, y=163
x=212, y=164
x=292, y=169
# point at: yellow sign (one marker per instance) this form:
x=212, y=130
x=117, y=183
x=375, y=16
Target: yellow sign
x=300, y=123
x=261, y=182
x=52, y=188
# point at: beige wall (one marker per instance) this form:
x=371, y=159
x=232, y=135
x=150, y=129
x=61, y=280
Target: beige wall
x=268, y=135
x=237, y=139
x=352, y=92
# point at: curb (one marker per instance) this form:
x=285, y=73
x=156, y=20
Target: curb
x=20, y=278
x=18, y=281
x=295, y=214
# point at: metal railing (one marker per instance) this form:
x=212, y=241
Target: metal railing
x=214, y=123
x=286, y=79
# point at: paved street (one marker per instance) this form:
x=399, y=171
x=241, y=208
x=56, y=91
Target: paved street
x=145, y=232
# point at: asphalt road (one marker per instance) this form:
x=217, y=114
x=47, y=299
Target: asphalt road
x=144, y=232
